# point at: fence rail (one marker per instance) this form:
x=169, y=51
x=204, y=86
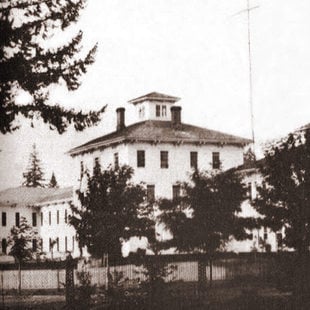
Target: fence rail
x=223, y=269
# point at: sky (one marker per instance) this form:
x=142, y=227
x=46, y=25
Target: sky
x=196, y=50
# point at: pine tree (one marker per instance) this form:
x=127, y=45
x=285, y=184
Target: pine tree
x=53, y=182
x=284, y=202
x=26, y=64
x=34, y=174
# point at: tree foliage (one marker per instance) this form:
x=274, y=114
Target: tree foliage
x=21, y=239
x=111, y=210
x=27, y=64
x=205, y=216
x=34, y=177
x=53, y=182
x=284, y=199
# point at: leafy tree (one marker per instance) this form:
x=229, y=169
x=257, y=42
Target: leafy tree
x=26, y=63
x=284, y=198
x=34, y=174
x=21, y=241
x=53, y=182
x=110, y=211
x=205, y=216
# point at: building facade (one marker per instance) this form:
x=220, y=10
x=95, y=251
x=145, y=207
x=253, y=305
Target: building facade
x=47, y=211
x=161, y=149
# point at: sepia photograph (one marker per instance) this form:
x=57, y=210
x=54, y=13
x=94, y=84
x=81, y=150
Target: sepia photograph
x=155, y=154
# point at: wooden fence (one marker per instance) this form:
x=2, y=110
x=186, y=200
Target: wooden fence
x=186, y=270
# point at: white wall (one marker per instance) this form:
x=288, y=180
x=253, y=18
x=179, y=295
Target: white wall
x=10, y=219
x=59, y=230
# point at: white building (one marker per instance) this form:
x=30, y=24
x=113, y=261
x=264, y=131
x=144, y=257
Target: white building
x=263, y=239
x=162, y=150
x=47, y=210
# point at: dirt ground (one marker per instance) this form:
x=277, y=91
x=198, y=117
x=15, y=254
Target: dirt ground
x=215, y=298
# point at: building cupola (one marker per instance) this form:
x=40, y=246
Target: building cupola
x=120, y=118
x=154, y=106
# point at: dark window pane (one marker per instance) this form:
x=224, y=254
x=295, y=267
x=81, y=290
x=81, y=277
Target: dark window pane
x=150, y=192
x=17, y=218
x=57, y=244
x=4, y=246
x=157, y=110
x=41, y=218
x=66, y=216
x=176, y=190
x=57, y=217
x=66, y=244
x=164, y=159
x=116, y=161
x=216, y=160
x=3, y=218
x=34, y=219
x=140, y=159
x=34, y=245
x=194, y=160
x=49, y=218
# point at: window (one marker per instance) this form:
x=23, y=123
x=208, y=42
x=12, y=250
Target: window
x=3, y=218
x=41, y=218
x=57, y=214
x=176, y=191
x=97, y=167
x=50, y=244
x=4, y=246
x=66, y=244
x=150, y=192
x=216, y=160
x=116, y=161
x=34, y=219
x=49, y=218
x=41, y=243
x=34, y=245
x=164, y=159
x=164, y=110
x=140, y=159
x=72, y=243
x=194, y=160
x=249, y=191
x=141, y=112
x=157, y=110
x=81, y=169
x=66, y=216
x=265, y=233
x=17, y=219
x=57, y=244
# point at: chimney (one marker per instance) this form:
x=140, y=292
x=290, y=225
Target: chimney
x=176, y=116
x=120, y=121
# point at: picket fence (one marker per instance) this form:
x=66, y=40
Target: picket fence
x=187, y=271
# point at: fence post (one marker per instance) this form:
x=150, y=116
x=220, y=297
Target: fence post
x=202, y=278
x=69, y=281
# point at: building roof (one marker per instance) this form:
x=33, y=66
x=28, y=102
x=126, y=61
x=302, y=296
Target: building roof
x=30, y=196
x=160, y=132
x=154, y=96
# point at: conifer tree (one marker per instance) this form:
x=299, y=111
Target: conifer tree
x=27, y=64
x=33, y=177
x=53, y=182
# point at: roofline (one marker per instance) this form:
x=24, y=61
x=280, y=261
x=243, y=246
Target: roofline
x=154, y=98
x=56, y=201
x=107, y=143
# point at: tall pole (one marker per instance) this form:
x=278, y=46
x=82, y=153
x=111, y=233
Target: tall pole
x=250, y=75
